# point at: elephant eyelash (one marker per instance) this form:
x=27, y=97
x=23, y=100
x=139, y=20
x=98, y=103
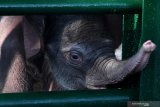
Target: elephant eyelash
x=74, y=58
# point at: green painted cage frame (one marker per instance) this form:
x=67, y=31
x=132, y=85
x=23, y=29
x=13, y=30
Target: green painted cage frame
x=149, y=79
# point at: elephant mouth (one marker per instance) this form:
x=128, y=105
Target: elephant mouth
x=96, y=86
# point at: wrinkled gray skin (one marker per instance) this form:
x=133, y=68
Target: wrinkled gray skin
x=19, y=42
x=80, y=53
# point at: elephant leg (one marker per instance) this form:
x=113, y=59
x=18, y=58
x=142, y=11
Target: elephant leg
x=33, y=29
x=13, y=66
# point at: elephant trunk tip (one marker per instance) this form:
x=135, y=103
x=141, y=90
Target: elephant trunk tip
x=149, y=46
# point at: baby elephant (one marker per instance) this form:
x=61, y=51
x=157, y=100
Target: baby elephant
x=80, y=54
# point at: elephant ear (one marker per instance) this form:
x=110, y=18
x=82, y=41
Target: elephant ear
x=33, y=27
x=114, y=24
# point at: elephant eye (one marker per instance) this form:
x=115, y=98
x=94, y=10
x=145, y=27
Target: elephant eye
x=74, y=57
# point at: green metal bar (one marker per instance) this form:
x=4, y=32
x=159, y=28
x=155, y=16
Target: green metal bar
x=131, y=37
x=88, y=98
x=150, y=78
x=131, y=34
x=69, y=6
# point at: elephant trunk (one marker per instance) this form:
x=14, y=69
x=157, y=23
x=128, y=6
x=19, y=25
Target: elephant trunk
x=110, y=70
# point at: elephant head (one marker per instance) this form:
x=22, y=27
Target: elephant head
x=81, y=55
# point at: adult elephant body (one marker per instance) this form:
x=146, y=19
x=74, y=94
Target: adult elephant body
x=80, y=53
x=19, y=42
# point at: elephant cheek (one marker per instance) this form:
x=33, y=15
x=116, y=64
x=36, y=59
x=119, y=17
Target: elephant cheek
x=96, y=77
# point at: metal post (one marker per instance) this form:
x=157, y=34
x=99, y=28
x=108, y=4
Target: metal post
x=150, y=78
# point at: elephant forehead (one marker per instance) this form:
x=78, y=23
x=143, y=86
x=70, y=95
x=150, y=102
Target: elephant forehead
x=73, y=26
x=82, y=30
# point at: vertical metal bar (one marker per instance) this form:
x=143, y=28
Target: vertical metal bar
x=150, y=78
x=131, y=34
x=131, y=37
